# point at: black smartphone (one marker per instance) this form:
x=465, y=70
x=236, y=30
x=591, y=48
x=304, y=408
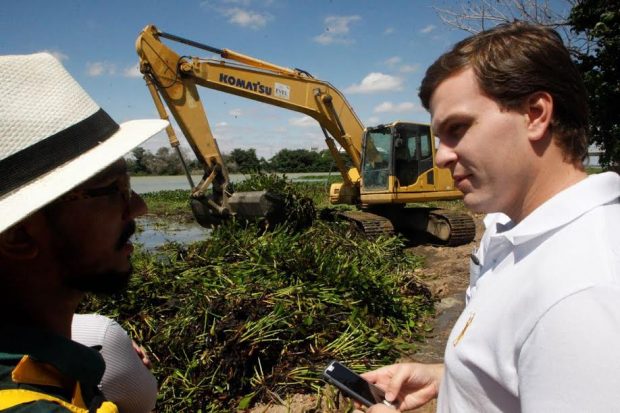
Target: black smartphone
x=353, y=385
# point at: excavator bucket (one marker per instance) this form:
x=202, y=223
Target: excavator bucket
x=261, y=206
x=258, y=205
x=205, y=214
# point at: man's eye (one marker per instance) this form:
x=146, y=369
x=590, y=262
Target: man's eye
x=104, y=190
x=457, y=130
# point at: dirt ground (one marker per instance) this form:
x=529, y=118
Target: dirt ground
x=446, y=273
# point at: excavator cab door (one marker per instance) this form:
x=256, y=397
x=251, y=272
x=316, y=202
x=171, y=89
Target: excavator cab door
x=376, y=160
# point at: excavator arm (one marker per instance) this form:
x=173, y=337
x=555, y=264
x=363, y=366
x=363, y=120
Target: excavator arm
x=173, y=79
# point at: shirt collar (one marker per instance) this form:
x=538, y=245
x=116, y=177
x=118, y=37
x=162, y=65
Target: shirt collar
x=564, y=207
x=72, y=359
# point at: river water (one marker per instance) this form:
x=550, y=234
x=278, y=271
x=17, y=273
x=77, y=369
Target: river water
x=152, y=234
x=144, y=184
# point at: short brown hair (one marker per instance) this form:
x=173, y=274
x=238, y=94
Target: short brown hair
x=513, y=60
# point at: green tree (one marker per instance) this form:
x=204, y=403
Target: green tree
x=244, y=160
x=600, y=21
x=325, y=162
x=295, y=160
x=328, y=164
x=138, y=166
x=164, y=162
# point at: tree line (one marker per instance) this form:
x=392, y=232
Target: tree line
x=165, y=161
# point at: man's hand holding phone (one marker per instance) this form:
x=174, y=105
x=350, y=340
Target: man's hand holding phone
x=353, y=385
x=413, y=384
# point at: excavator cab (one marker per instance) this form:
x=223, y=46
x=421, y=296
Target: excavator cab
x=401, y=150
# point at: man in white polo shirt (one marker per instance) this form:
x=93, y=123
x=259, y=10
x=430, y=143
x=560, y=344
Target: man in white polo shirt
x=541, y=328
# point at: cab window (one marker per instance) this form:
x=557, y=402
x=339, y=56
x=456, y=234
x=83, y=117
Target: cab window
x=376, y=166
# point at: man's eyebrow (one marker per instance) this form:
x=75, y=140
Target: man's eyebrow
x=439, y=126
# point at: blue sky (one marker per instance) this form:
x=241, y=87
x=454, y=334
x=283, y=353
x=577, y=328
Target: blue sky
x=374, y=51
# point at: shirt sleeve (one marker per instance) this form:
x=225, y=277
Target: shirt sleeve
x=571, y=360
x=126, y=380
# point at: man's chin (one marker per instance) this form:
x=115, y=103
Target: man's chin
x=107, y=283
x=474, y=203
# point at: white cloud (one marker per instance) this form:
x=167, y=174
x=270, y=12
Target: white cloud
x=404, y=107
x=247, y=18
x=242, y=13
x=393, y=61
x=336, y=30
x=235, y=112
x=340, y=24
x=303, y=122
x=96, y=69
x=132, y=71
x=376, y=82
x=428, y=29
x=327, y=38
x=409, y=68
x=57, y=54
x=221, y=124
x=372, y=121
x=389, y=30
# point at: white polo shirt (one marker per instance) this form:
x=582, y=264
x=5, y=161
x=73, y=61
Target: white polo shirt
x=541, y=330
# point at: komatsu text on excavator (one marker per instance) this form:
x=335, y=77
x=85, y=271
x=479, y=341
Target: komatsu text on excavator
x=392, y=165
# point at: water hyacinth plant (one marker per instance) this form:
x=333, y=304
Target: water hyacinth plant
x=250, y=316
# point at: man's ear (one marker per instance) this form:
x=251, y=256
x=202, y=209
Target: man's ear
x=16, y=243
x=539, y=112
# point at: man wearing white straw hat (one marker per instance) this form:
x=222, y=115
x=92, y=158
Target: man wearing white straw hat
x=66, y=214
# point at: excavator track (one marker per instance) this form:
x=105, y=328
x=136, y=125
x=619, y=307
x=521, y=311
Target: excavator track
x=462, y=228
x=371, y=225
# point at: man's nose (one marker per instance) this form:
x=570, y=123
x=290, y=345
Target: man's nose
x=444, y=156
x=136, y=207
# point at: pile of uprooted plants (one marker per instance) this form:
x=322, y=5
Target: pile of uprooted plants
x=249, y=316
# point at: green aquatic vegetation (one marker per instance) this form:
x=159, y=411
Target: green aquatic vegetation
x=298, y=207
x=168, y=203
x=248, y=316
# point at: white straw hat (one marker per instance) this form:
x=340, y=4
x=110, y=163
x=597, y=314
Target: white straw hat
x=53, y=136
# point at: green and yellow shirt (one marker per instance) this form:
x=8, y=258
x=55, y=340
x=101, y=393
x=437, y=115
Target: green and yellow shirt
x=44, y=372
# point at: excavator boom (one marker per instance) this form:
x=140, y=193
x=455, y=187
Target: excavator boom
x=176, y=78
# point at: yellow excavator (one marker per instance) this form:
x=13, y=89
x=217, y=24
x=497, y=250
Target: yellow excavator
x=392, y=165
